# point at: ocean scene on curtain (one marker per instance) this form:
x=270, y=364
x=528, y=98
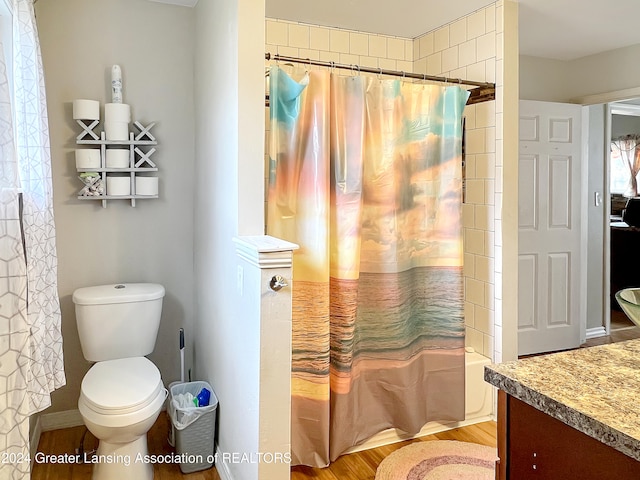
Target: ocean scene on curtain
x=31, y=361
x=365, y=175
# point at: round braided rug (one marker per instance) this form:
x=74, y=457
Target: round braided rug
x=439, y=460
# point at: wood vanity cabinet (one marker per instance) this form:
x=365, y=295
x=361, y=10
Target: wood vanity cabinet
x=534, y=445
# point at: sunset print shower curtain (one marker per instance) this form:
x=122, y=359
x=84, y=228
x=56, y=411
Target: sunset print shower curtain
x=365, y=175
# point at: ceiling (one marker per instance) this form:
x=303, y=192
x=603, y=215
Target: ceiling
x=558, y=29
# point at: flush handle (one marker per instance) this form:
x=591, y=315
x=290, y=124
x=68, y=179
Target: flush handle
x=278, y=282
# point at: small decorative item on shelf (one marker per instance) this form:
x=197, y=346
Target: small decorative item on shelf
x=117, y=115
x=116, y=84
x=93, y=186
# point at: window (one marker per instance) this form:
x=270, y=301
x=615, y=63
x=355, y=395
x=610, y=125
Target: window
x=6, y=35
x=620, y=174
x=625, y=135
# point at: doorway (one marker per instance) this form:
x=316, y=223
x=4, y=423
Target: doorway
x=623, y=232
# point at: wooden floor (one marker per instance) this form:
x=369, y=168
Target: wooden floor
x=363, y=465
x=355, y=466
x=68, y=439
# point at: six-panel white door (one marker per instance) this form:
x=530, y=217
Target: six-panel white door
x=549, y=252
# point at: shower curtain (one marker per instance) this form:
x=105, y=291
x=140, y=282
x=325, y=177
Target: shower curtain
x=365, y=175
x=31, y=363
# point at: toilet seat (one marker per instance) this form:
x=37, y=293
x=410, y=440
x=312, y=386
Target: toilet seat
x=122, y=386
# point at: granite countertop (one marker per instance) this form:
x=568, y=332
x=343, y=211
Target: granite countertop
x=595, y=390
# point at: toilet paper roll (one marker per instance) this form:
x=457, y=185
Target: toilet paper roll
x=117, y=158
x=86, y=110
x=117, y=112
x=118, y=186
x=87, y=158
x=146, y=185
x=116, y=130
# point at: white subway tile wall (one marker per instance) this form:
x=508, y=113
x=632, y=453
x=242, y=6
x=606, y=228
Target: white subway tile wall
x=311, y=41
x=471, y=48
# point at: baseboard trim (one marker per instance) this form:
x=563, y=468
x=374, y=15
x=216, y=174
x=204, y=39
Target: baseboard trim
x=58, y=420
x=221, y=467
x=595, y=332
x=45, y=422
x=387, y=437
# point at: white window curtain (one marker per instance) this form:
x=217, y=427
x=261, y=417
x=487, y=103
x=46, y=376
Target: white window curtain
x=627, y=149
x=31, y=359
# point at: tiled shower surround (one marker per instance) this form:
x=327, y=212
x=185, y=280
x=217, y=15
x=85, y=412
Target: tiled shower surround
x=469, y=48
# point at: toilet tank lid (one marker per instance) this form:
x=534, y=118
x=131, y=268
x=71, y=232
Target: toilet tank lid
x=118, y=293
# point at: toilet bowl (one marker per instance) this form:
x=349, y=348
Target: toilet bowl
x=119, y=402
x=122, y=393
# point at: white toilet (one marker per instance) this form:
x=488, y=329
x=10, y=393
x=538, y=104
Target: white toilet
x=122, y=394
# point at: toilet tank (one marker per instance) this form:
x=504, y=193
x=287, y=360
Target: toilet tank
x=118, y=321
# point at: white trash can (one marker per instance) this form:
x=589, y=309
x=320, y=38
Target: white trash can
x=193, y=428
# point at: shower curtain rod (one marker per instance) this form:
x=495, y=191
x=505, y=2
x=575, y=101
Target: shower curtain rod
x=485, y=92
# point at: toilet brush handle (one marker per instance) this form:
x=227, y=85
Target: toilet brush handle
x=182, y=354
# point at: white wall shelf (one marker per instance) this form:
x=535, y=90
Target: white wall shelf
x=116, y=170
x=139, y=159
x=116, y=142
x=116, y=197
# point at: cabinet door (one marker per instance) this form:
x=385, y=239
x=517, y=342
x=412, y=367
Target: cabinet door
x=541, y=447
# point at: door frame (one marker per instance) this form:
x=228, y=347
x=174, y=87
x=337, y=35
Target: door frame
x=611, y=109
x=607, y=99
